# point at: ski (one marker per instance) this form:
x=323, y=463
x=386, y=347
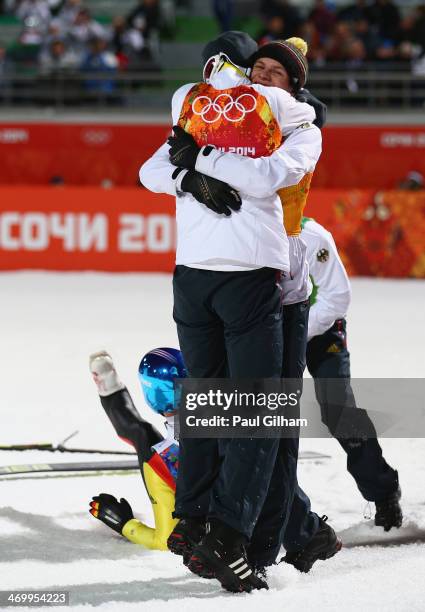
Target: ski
x=62, y=449
x=21, y=447
x=102, y=466
x=73, y=466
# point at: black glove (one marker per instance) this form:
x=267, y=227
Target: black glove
x=183, y=148
x=321, y=109
x=216, y=195
x=110, y=511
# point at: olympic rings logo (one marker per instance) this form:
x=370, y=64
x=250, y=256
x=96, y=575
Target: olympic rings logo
x=245, y=103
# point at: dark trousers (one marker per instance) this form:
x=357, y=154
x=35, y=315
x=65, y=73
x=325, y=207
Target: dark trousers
x=229, y=325
x=328, y=357
x=287, y=518
x=302, y=522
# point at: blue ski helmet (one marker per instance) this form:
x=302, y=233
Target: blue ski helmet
x=157, y=371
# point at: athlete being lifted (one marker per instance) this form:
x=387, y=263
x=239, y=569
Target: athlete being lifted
x=225, y=290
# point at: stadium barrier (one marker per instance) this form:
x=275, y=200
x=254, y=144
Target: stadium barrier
x=384, y=85
x=87, y=154
x=133, y=230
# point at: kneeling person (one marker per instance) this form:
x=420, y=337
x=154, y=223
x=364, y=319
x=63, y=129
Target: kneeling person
x=158, y=456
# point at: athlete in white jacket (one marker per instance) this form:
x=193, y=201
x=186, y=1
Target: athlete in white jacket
x=279, y=64
x=331, y=287
x=255, y=236
x=227, y=303
x=328, y=358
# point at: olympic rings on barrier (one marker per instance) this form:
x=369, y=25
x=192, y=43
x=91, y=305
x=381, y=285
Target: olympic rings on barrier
x=207, y=105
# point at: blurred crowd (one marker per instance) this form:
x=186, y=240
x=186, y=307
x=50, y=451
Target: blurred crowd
x=366, y=30
x=60, y=35
x=347, y=34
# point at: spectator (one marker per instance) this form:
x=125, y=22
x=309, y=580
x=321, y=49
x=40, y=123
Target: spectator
x=322, y=18
x=355, y=53
x=316, y=52
x=337, y=44
x=99, y=60
x=386, y=50
x=145, y=17
x=223, y=11
x=57, y=58
x=355, y=15
x=55, y=31
x=353, y=12
x=33, y=32
x=385, y=17
x=36, y=9
x=69, y=11
x=282, y=8
x=83, y=30
x=274, y=30
x=367, y=35
x=127, y=43
x=406, y=52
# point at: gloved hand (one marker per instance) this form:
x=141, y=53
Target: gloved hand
x=321, y=109
x=183, y=148
x=110, y=511
x=216, y=195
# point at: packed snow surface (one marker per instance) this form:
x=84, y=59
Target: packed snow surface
x=49, y=325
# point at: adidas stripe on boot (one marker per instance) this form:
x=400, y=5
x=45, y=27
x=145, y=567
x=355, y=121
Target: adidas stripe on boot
x=222, y=552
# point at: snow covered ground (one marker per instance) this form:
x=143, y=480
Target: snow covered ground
x=49, y=325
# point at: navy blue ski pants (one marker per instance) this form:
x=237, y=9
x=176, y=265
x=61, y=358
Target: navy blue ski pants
x=328, y=357
x=287, y=521
x=229, y=325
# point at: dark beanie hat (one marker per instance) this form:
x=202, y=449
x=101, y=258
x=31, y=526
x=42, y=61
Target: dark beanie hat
x=238, y=46
x=291, y=54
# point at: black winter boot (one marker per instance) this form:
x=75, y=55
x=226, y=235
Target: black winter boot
x=222, y=552
x=186, y=534
x=323, y=545
x=388, y=511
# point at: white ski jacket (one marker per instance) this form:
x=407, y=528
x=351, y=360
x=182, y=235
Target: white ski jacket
x=254, y=237
x=332, y=291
